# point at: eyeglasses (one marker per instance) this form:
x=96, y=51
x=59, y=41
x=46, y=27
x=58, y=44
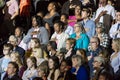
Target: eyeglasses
x=95, y=61
x=93, y=42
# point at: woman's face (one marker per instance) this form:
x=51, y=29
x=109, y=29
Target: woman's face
x=51, y=64
x=77, y=10
x=63, y=66
x=68, y=45
x=13, y=57
x=74, y=62
x=32, y=43
x=29, y=63
x=63, y=19
x=50, y=7
x=98, y=30
x=34, y=22
x=18, y=33
x=36, y=53
x=77, y=28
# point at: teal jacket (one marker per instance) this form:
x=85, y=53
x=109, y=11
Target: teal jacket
x=82, y=42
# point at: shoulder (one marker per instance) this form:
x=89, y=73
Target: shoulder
x=42, y=28
x=84, y=35
x=57, y=71
x=109, y=7
x=72, y=35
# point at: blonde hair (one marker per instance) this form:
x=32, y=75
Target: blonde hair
x=39, y=52
x=18, y=61
x=117, y=41
x=79, y=59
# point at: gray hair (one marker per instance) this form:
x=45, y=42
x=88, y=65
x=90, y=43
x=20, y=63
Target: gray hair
x=100, y=25
x=99, y=59
x=81, y=26
x=79, y=59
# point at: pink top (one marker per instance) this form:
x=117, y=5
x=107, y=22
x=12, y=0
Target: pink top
x=72, y=18
x=13, y=7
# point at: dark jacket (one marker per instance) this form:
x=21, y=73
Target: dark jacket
x=15, y=77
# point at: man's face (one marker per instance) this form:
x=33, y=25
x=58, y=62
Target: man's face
x=10, y=69
x=118, y=16
x=6, y=50
x=84, y=14
x=93, y=43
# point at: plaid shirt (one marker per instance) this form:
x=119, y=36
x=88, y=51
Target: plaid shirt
x=104, y=40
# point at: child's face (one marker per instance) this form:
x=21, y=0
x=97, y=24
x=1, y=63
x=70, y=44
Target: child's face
x=6, y=50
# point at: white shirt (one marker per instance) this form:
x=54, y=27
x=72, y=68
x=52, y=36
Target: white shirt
x=112, y=31
x=110, y=10
x=69, y=30
x=61, y=38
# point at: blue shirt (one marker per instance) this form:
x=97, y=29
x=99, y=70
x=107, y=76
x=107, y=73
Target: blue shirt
x=90, y=25
x=82, y=73
x=82, y=42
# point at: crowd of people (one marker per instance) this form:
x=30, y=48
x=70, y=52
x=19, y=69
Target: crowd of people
x=74, y=40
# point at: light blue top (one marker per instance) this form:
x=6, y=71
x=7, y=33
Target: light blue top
x=90, y=25
x=115, y=62
x=69, y=30
x=82, y=42
x=3, y=64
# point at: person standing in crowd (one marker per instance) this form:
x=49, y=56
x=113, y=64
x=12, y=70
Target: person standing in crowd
x=37, y=31
x=70, y=4
x=105, y=14
x=82, y=53
x=49, y=17
x=7, y=49
x=13, y=40
x=70, y=44
x=76, y=16
x=15, y=57
x=78, y=68
x=103, y=37
x=99, y=66
x=38, y=54
x=11, y=73
x=115, y=57
x=43, y=70
x=88, y=24
x=82, y=40
x=67, y=28
x=31, y=69
x=51, y=48
x=19, y=33
x=93, y=51
x=59, y=36
x=65, y=73
x=54, y=71
x=115, y=29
